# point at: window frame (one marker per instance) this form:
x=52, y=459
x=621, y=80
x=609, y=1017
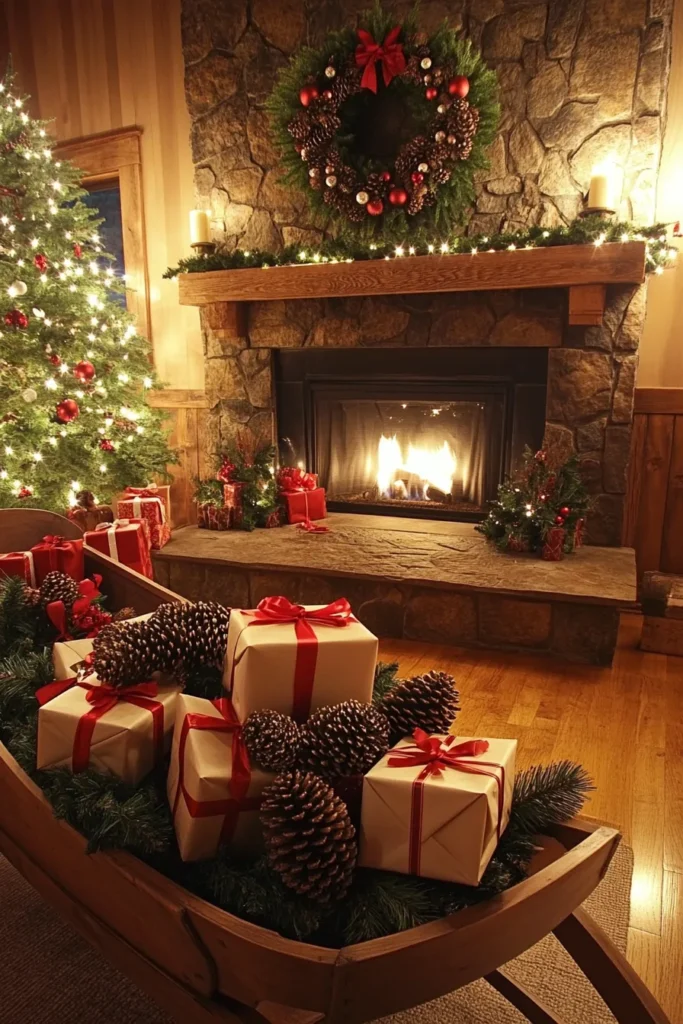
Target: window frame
x=116, y=156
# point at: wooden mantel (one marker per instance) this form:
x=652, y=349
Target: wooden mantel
x=585, y=270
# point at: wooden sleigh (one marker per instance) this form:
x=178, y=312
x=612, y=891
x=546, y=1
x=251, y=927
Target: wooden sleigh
x=204, y=965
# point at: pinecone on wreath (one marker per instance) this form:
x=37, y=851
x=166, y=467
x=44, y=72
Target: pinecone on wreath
x=272, y=740
x=300, y=126
x=309, y=838
x=58, y=586
x=462, y=122
x=344, y=739
x=429, y=702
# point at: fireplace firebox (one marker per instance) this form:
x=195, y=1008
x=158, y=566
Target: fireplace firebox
x=428, y=433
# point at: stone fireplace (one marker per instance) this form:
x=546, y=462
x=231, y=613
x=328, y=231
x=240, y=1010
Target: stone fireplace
x=580, y=80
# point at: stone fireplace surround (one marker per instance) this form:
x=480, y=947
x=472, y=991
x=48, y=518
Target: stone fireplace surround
x=580, y=79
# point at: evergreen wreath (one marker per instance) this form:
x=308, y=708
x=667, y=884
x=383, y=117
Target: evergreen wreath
x=383, y=128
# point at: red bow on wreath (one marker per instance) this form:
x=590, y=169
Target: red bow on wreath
x=390, y=55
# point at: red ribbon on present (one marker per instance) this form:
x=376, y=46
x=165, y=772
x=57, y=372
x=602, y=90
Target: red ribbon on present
x=104, y=698
x=52, y=544
x=308, y=525
x=436, y=755
x=240, y=770
x=151, y=491
x=291, y=478
x=390, y=55
x=280, y=610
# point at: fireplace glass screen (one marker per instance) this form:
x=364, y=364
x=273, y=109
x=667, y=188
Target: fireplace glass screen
x=409, y=453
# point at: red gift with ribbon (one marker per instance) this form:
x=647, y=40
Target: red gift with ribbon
x=389, y=55
x=436, y=806
x=126, y=541
x=305, y=506
x=553, y=544
x=150, y=504
x=19, y=563
x=212, y=788
x=213, y=517
x=295, y=658
x=56, y=554
x=233, y=499
x=85, y=724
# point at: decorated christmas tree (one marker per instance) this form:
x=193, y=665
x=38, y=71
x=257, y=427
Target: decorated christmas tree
x=546, y=494
x=73, y=369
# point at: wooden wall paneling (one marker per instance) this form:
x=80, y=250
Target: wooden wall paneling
x=672, y=541
x=655, y=479
x=659, y=400
x=635, y=478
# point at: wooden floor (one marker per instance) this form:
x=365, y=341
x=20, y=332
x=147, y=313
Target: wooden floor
x=625, y=724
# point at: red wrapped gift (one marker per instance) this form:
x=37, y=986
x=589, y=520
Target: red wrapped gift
x=303, y=506
x=233, y=499
x=579, y=533
x=19, y=563
x=54, y=554
x=553, y=545
x=145, y=503
x=162, y=491
x=126, y=541
x=213, y=517
x=292, y=478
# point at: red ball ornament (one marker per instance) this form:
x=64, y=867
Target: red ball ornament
x=55, y=359
x=78, y=252
x=15, y=318
x=374, y=207
x=25, y=492
x=559, y=520
x=398, y=196
x=67, y=410
x=431, y=93
x=565, y=510
x=417, y=177
x=84, y=370
x=308, y=94
x=459, y=86
x=40, y=262
x=225, y=473
x=385, y=176
x=106, y=445
x=327, y=95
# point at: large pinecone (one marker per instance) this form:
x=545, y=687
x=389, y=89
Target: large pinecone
x=123, y=655
x=462, y=121
x=415, y=152
x=309, y=837
x=189, y=636
x=272, y=740
x=57, y=586
x=428, y=702
x=344, y=739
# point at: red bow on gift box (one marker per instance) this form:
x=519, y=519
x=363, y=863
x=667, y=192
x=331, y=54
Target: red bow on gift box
x=82, y=615
x=291, y=478
x=390, y=55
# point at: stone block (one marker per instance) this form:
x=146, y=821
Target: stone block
x=590, y=469
x=612, y=142
x=605, y=520
x=242, y=184
x=261, y=233
x=441, y=617
x=204, y=25
x=484, y=10
x=509, y=621
x=612, y=16
x=301, y=588
x=631, y=329
x=260, y=136
x=624, y=392
x=283, y=23
x=584, y=632
x=522, y=328
x=615, y=465
x=526, y=150
x=222, y=131
x=568, y=129
x=261, y=64
x=604, y=69
x=235, y=216
x=512, y=93
x=547, y=91
x=590, y=437
x=650, y=81
x=506, y=186
x=223, y=380
x=335, y=332
x=466, y=323
x=559, y=440
x=306, y=238
x=162, y=572
x=564, y=19
x=579, y=384
x=256, y=367
x=381, y=321
x=213, y=80
x=504, y=36
x=270, y=326
x=555, y=179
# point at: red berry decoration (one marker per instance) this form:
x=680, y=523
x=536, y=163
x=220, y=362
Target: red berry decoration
x=327, y=95
x=308, y=94
x=78, y=252
x=84, y=370
x=385, y=176
x=25, y=492
x=40, y=262
x=431, y=93
x=559, y=520
x=15, y=318
x=67, y=410
x=459, y=86
x=225, y=473
x=417, y=177
x=106, y=445
x=398, y=197
x=375, y=207
x=565, y=510
x=55, y=359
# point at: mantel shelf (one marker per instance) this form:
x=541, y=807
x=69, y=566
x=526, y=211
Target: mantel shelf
x=585, y=270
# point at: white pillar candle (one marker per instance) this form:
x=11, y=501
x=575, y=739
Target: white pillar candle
x=200, y=228
x=600, y=191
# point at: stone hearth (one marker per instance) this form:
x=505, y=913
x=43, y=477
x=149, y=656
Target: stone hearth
x=433, y=581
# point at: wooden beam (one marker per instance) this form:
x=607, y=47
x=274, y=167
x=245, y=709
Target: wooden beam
x=664, y=401
x=102, y=155
x=586, y=304
x=560, y=266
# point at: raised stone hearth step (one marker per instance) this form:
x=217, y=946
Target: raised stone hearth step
x=434, y=581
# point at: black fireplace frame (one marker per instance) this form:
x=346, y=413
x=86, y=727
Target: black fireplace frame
x=517, y=375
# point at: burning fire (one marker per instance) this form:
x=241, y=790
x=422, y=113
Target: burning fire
x=405, y=476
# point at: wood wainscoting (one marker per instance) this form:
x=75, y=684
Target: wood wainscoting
x=653, y=524
x=654, y=514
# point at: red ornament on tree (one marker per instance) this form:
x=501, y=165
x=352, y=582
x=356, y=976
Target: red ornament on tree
x=106, y=445
x=40, y=262
x=84, y=370
x=78, y=252
x=565, y=510
x=225, y=473
x=308, y=94
x=327, y=95
x=417, y=177
x=459, y=86
x=398, y=196
x=25, y=492
x=67, y=410
x=385, y=176
x=559, y=520
x=431, y=93
x=15, y=318
x=55, y=359
x=375, y=207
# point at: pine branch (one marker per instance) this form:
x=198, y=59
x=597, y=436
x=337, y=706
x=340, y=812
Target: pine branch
x=385, y=680
x=547, y=795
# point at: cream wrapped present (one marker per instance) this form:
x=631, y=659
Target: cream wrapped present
x=295, y=659
x=68, y=655
x=212, y=789
x=436, y=806
x=92, y=725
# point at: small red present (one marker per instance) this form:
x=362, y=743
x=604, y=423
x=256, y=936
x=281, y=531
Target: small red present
x=553, y=545
x=56, y=554
x=19, y=563
x=126, y=541
x=233, y=498
x=303, y=506
x=213, y=517
x=147, y=503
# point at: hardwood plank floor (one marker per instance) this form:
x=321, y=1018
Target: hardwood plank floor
x=625, y=724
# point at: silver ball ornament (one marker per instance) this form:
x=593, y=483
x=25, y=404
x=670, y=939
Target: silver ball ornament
x=362, y=198
x=440, y=136
x=426, y=63
x=423, y=167
x=330, y=72
x=331, y=180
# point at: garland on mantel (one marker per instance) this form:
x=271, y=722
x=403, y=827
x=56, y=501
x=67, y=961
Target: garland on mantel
x=583, y=231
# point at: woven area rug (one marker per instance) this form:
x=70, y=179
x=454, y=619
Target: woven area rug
x=49, y=975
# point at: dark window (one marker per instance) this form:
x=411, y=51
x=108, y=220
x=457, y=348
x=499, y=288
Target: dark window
x=106, y=199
